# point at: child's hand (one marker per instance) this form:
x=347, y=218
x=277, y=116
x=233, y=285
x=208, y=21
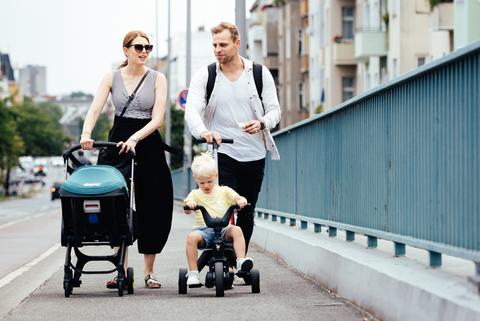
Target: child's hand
x=241, y=201
x=190, y=204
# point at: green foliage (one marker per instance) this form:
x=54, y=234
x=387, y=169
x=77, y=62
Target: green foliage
x=177, y=123
x=319, y=109
x=11, y=144
x=103, y=125
x=39, y=128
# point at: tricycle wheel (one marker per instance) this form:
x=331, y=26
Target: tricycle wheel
x=219, y=278
x=255, y=280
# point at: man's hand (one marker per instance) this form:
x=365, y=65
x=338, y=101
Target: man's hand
x=253, y=126
x=210, y=136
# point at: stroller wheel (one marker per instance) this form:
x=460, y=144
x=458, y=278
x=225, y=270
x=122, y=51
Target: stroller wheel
x=120, y=284
x=130, y=280
x=182, y=281
x=68, y=288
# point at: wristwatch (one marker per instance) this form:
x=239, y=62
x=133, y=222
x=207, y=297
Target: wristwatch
x=262, y=125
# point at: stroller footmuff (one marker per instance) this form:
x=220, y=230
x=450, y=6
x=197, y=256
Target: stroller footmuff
x=96, y=210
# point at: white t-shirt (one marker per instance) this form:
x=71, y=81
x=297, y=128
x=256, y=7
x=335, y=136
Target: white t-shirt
x=233, y=107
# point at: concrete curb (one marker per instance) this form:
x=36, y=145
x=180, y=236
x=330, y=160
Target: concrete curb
x=393, y=289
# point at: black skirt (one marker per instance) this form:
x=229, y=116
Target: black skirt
x=153, y=185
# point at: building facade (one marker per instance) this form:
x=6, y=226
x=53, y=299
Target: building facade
x=33, y=81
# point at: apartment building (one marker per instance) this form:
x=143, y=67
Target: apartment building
x=33, y=81
x=7, y=77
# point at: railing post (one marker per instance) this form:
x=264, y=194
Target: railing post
x=350, y=237
x=399, y=249
x=332, y=231
x=274, y=218
x=476, y=278
x=303, y=225
x=372, y=242
x=283, y=219
x=435, y=259
x=293, y=222
x=317, y=228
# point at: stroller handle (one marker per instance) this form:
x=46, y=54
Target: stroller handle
x=69, y=154
x=203, y=140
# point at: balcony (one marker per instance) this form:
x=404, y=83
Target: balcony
x=370, y=43
x=343, y=53
x=442, y=17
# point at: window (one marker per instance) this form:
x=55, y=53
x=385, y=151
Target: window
x=348, y=89
x=420, y=61
x=300, y=96
x=300, y=43
x=347, y=23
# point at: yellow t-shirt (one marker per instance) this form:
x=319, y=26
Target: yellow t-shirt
x=216, y=203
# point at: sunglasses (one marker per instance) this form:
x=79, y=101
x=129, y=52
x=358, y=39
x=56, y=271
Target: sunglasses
x=139, y=48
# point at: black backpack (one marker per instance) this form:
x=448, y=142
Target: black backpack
x=212, y=74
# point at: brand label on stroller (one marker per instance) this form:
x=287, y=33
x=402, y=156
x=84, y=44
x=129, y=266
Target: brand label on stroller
x=91, y=206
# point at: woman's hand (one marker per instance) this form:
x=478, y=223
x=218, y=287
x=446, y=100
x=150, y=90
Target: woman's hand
x=241, y=201
x=127, y=146
x=86, y=142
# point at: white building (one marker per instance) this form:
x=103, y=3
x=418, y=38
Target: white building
x=33, y=81
x=202, y=55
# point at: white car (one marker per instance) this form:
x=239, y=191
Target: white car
x=56, y=161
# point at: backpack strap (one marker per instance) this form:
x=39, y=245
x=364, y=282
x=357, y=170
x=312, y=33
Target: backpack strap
x=257, y=76
x=212, y=74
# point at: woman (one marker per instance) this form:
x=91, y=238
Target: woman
x=137, y=131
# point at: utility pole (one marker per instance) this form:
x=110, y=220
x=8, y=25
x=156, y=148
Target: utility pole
x=168, y=104
x=240, y=21
x=187, y=137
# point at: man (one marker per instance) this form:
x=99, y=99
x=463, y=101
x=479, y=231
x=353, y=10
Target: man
x=235, y=110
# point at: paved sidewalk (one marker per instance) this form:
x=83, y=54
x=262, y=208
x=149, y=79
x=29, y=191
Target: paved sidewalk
x=285, y=295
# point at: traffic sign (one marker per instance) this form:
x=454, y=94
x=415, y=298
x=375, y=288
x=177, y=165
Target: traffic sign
x=182, y=98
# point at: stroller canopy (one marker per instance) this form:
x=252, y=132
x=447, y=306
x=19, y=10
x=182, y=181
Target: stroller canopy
x=96, y=179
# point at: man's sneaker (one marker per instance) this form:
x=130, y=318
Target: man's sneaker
x=193, y=280
x=244, y=264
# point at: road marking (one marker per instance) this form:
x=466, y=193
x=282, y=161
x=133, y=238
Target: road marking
x=13, y=275
x=43, y=212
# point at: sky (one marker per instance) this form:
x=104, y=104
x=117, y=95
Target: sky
x=80, y=40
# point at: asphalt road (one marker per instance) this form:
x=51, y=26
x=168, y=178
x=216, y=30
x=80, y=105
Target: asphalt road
x=31, y=274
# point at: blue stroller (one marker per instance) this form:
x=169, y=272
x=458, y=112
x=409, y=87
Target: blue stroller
x=96, y=210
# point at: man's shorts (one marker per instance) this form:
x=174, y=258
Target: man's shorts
x=208, y=235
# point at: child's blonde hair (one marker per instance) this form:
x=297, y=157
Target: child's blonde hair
x=203, y=165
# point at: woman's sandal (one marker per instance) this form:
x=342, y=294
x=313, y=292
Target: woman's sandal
x=151, y=282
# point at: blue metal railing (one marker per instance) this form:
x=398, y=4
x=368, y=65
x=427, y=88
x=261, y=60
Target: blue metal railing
x=400, y=162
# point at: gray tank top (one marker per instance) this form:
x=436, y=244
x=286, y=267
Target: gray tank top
x=142, y=105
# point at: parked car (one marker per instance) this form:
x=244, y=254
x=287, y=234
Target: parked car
x=55, y=190
x=56, y=161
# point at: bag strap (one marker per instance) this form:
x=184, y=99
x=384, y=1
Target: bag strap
x=257, y=76
x=212, y=74
x=130, y=98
